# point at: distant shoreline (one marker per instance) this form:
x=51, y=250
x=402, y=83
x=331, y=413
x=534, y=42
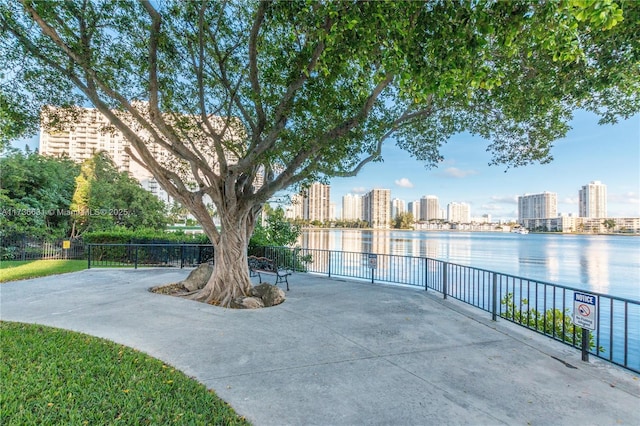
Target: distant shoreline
x=308, y=228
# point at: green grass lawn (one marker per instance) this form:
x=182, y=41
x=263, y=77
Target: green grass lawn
x=53, y=376
x=11, y=270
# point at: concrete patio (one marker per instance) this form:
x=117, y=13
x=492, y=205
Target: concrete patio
x=340, y=352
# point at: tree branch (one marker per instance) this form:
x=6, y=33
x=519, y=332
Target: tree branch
x=253, y=67
x=281, y=111
x=404, y=119
x=288, y=176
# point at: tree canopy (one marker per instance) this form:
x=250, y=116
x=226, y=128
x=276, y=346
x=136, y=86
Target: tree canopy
x=48, y=197
x=105, y=198
x=285, y=93
x=33, y=189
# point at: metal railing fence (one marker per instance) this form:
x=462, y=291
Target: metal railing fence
x=148, y=255
x=539, y=306
x=25, y=248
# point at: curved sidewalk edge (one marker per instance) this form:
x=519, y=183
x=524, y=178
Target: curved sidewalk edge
x=339, y=352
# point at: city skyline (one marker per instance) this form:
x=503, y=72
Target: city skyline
x=590, y=152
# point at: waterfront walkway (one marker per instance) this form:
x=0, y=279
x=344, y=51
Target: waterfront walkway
x=340, y=352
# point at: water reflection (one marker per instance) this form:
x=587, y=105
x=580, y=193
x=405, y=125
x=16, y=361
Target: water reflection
x=594, y=266
x=606, y=264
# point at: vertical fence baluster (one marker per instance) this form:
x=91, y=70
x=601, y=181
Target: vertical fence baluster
x=426, y=269
x=626, y=332
x=444, y=280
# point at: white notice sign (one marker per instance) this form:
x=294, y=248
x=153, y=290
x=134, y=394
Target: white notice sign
x=585, y=310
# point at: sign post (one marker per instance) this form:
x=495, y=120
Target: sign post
x=373, y=264
x=66, y=245
x=585, y=315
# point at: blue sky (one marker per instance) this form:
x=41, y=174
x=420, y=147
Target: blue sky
x=608, y=153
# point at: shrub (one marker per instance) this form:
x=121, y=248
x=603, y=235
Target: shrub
x=553, y=322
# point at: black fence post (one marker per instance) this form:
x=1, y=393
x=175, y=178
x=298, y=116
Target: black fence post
x=181, y=256
x=329, y=263
x=426, y=274
x=494, y=296
x=444, y=279
x=135, y=259
x=89, y=256
x=585, y=344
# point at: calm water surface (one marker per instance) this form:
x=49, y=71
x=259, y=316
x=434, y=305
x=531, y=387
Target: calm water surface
x=601, y=263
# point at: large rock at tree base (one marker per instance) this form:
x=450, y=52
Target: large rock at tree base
x=247, y=302
x=271, y=295
x=263, y=295
x=198, y=278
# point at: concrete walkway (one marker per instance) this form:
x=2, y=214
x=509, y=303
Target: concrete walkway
x=340, y=352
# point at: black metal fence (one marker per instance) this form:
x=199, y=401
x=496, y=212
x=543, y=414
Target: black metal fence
x=543, y=307
x=25, y=248
x=146, y=255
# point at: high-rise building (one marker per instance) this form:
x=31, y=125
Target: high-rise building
x=429, y=208
x=414, y=208
x=92, y=132
x=537, y=206
x=352, y=207
x=316, y=205
x=593, y=200
x=458, y=213
x=377, y=208
x=295, y=210
x=397, y=207
x=152, y=185
x=87, y=136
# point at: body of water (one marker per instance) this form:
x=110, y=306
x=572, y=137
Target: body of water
x=600, y=263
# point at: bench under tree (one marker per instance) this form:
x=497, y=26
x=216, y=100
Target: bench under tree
x=263, y=265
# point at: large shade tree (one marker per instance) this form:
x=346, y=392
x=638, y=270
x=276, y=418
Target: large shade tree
x=296, y=91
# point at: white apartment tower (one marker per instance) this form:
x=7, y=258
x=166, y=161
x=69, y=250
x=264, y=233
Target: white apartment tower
x=458, y=213
x=91, y=133
x=86, y=137
x=397, y=207
x=294, y=210
x=316, y=205
x=414, y=208
x=352, y=207
x=593, y=200
x=537, y=206
x=376, y=207
x=429, y=208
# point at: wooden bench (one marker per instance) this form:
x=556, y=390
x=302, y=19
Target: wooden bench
x=262, y=265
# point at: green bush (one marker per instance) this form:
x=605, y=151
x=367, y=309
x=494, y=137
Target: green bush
x=143, y=236
x=553, y=322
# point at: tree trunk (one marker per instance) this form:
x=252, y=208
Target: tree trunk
x=230, y=277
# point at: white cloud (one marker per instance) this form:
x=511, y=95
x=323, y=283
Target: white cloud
x=359, y=190
x=458, y=173
x=404, y=183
